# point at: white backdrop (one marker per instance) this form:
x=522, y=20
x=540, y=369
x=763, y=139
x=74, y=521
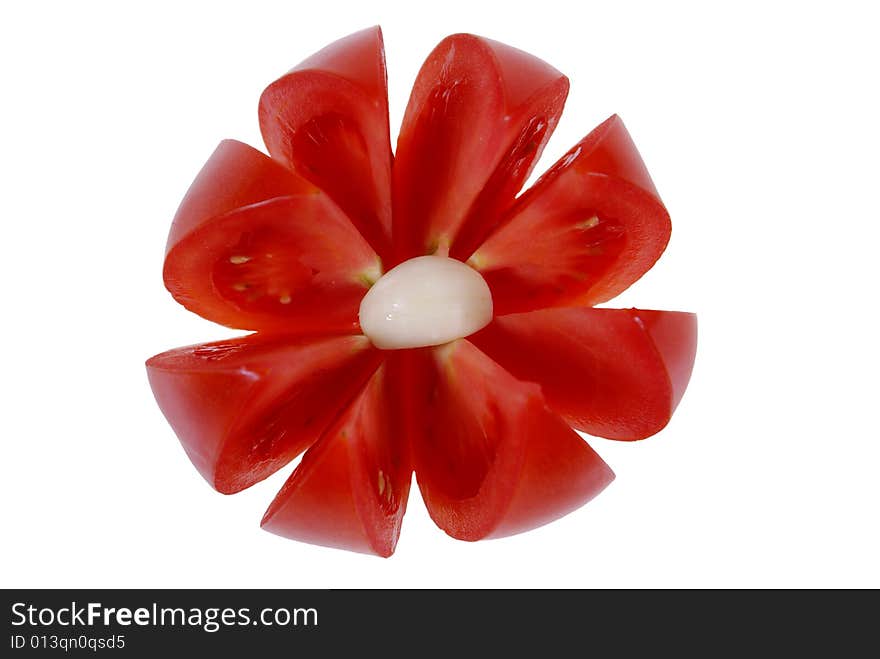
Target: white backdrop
x=759, y=126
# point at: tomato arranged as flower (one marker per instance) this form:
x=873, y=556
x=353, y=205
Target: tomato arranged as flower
x=411, y=313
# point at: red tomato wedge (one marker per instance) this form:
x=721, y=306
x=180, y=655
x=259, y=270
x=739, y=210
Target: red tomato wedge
x=235, y=176
x=491, y=459
x=253, y=246
x=615, y=373
x=244, y=408
x=588, y=229
x=351, y=488
x=478, y=118
x=327, y=119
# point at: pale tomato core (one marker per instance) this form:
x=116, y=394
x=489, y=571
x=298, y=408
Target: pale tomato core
x=425, y=301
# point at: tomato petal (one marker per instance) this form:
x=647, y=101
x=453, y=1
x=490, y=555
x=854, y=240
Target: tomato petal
x=478, y=118
x=588, y=229
x=328, y=120
x=615, y=373
x=255, y=247
x=236, y=175
x=675, y=336
x=244, y=408
x=351, y=488
x=492, y=459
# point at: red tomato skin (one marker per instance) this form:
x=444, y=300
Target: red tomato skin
x=674, y=334
x=242, y=197
x=449, y=189
x=244, y=408
x=552, y=482
x=587, y=230
x=317, y=504
x=234, y=177
x=327, y=119
x=350, y=491
x=491, y=460
x=613, y=373
x=609, y=149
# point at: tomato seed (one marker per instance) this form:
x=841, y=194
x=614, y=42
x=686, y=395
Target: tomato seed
x=588, y=224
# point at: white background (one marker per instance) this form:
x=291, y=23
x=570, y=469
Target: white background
x=759, y=125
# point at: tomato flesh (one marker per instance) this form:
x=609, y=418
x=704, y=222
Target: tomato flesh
x=244, y=408
x=350, y=490
x=253, y=246
x=588, y=229
x=327, y=120
x=615, y=373
x=234, y=177
x=491, y=459
x=478, y=118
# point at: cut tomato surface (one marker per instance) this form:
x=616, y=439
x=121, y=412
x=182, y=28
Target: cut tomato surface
x=615, y=373
x=327, y=119
x=587, y=229
x=478, y=118
x=491, y=459
x=245, y=407
x=351, y=488
x=256, y=247
x=234, y=177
